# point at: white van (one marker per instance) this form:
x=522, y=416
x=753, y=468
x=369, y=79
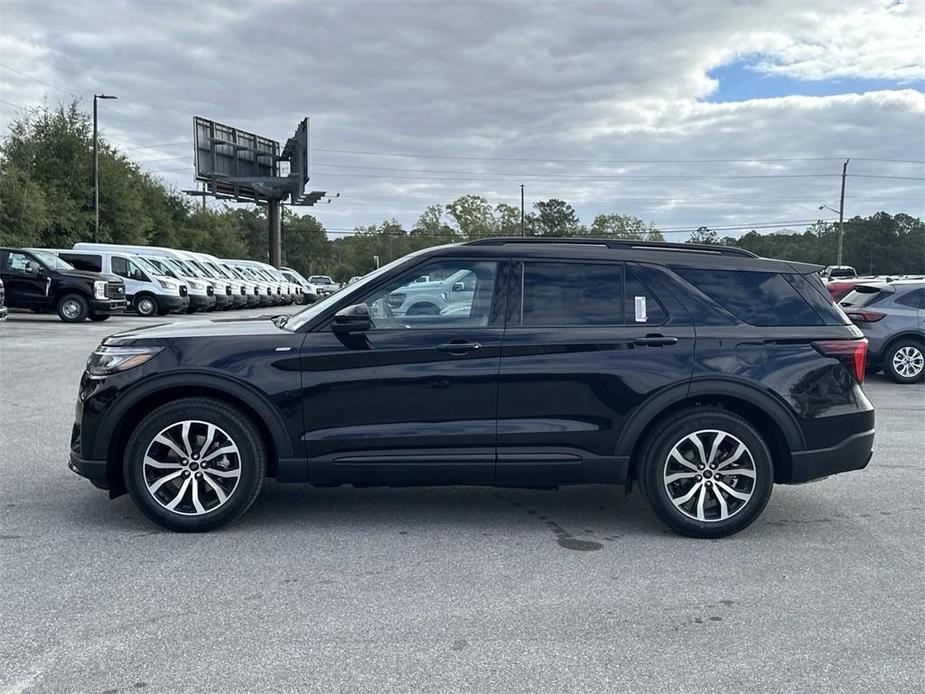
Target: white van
x=148, y=290
x=201, y=289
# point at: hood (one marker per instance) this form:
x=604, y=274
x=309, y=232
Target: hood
x=84, y=274
x=222, y=327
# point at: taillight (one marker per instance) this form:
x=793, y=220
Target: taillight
x=851, y=353
x=865, y=316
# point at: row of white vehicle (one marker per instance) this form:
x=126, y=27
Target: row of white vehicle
x=160, y=280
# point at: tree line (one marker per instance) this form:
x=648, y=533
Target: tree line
x=46, y=201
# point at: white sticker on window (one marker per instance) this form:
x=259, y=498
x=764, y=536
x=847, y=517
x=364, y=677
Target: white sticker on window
x=641, y=309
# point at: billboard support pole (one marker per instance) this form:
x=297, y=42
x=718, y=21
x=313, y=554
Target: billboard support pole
x=274, y=224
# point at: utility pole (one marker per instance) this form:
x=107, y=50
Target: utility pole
x=523, y=231
x=841, y=212
x=274, y=222
x=96, y=169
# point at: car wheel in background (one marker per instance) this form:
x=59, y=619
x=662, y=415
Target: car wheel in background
x=146, y=305
x=194, y=464
x=423, y=309
x=707, y=473
x=73, y=308
x=905, y=361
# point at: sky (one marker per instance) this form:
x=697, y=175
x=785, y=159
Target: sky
x=731, y=115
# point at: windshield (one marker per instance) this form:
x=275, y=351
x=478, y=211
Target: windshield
x=178, y=267
x=51, y=261
x=146, y=266
x=220, y=271
x=299, y=279
x=200, y=269
x=297, y=320
x=863, y=295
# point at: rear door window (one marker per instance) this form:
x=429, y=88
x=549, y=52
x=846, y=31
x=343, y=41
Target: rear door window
x=758, y=298
x=913, y=299
x=863, y=295
x=572, y=294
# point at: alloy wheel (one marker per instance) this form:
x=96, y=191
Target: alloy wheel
x=908, y=361
x=709, y=475
x=192, y=467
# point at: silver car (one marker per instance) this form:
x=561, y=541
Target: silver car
x=892, y=317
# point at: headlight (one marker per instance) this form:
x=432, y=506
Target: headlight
x=99, y=289
x=196, y=285
x=167, y=284
x=107, y=360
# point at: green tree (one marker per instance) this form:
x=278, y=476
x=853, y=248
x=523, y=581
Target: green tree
x=473, y=216
x=704, y=235
x=553, y=217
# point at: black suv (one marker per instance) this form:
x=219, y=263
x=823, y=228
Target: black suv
x=705, y=374
x=40, y=281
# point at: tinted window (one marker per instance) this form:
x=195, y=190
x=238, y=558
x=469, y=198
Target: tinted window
x=811, y=288
x=461, y=298
x=641, y=306
x=759, y=298
x=560, y=294
x=120, y=266
x=914, y=299
x=90, y=263
x=863, y=295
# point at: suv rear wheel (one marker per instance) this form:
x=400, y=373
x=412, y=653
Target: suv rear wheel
x=905, y=361
x=707, y=473
x=194, y=464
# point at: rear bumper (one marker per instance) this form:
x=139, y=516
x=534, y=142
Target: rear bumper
x=853, y=453
x=105, y=307
x=93, y=470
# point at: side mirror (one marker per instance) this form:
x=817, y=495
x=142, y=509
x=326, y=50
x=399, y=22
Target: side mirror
x=33, y=268
x=352, y=319
x=459, y=287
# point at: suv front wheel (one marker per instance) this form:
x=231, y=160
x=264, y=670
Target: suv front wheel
x=707, y=473
x=194, y=464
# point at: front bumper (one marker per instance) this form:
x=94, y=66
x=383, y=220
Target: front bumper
x=173, y=303
x=223, y=301
x=198, y=302
x=93, y=470
x=853, y=453
x=3, y=313
x=107, y=307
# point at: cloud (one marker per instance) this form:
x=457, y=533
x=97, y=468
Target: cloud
x=494, y=87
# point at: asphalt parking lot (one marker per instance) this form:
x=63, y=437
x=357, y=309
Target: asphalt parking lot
x=453, y=589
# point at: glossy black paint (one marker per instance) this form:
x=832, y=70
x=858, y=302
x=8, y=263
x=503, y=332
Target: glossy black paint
x=41, y=291
x=530, y=406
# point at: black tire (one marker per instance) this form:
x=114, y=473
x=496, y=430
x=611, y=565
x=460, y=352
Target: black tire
x=73, y=308
x=99, y=317
x=655, y=466
x=912, y=361
x=251, y=464
x=146, y=305
x=423, y=309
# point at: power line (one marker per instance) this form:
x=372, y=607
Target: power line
x=604, y=161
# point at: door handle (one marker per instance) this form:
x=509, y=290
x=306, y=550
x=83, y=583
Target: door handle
x=459, y=347
x=655, y=341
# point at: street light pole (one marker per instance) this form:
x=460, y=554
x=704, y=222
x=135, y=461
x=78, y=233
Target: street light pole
x=96, y=169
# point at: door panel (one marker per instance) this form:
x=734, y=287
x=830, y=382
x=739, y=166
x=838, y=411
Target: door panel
x=566, y=391
x=411, y=401
x=23, y=289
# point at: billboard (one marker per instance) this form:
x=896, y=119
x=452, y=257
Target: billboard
x=232, y=161
x=296, y=153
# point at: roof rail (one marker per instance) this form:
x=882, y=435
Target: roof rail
x=613, y=243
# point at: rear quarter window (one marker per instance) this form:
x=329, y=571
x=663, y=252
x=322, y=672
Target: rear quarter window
x=758, y=298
